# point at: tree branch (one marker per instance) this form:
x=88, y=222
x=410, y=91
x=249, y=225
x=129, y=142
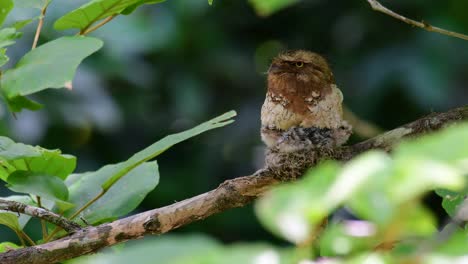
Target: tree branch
x=41, y=213
x=380, y=8
x=230, y=194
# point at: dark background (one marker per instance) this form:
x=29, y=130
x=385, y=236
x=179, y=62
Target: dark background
x=170, y=66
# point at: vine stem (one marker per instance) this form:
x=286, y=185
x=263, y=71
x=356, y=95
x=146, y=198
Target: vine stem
x=24, y=235
x=87, y=205
x=100, y=24
x=39, y=25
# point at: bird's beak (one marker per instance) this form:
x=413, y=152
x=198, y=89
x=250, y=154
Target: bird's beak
x=275, y=68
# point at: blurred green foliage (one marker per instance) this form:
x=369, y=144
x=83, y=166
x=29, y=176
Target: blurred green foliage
x=383, y=191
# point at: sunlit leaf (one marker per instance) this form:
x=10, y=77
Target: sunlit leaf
x=10, y=220
x=86, y=15
x=268, y=7
x=3, y=57
x=5, y=246
x=18, y=156
x=417, y=221
x=51, y=65
x=5, y=8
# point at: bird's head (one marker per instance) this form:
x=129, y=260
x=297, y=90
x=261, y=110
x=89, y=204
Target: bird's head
x=301, y=66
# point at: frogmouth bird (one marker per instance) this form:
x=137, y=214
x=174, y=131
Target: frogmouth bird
x=303, y=105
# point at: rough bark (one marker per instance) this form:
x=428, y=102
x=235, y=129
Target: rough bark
x=230, y=194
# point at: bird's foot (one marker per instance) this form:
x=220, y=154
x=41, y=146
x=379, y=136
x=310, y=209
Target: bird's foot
x=305, y=138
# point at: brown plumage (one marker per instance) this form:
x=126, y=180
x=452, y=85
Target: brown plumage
x=302, y=101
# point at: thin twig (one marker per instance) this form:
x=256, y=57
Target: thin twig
x=24, y=235
x=380, y=8
x=87, y=204
x=100, y=24
x=39, y=25
x=40, y=213
x=20, y=238
x=43, y=225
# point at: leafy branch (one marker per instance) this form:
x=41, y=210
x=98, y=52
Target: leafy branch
x=40, y=213
x=230, y=194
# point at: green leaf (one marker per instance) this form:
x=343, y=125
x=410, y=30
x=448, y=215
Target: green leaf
x=291, y=210
x=192, y=249
x=83, y=187
x=18, y=156
x=356, y=175
x=417, y=221
x=431, y=162
x=413, y=177
x=130, y=9
x=10, y=220
x=18, y=103
x=22, y=23
x=3, y=57
x=5, y=8
x=268, y=7
x=5, y=246
x=8, y=36
x=210, y=2
x=167, y=250
x=167, y=142
x=122, y=198
x=51, y=65
x=86, y=15
x=46, y=186
x=24, y=199
x=451, y=201
x=39, y=4
x=445, y=146
x=347, y=238
x=374, y=203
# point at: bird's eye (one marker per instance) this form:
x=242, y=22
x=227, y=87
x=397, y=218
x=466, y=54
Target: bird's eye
x=299, y=64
